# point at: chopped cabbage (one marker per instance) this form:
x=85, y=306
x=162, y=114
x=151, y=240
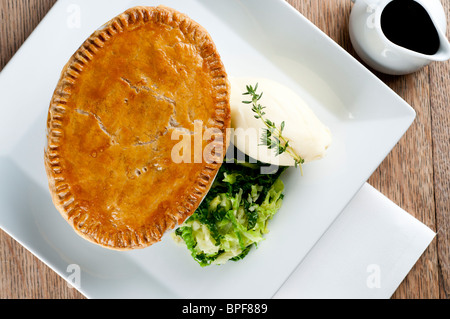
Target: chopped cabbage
x=234, y=215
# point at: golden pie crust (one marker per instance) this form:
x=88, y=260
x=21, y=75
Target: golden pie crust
x=144, y=74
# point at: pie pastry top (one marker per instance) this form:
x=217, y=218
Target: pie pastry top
x=146, y=73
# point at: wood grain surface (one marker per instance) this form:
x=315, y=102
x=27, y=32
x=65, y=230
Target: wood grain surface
x=415, y=175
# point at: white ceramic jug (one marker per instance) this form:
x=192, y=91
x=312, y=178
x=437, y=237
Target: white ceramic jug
x=379, y=52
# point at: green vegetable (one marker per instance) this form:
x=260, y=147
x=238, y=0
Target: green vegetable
x=234, y=215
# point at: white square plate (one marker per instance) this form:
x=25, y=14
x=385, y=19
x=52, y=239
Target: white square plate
x=266, y=38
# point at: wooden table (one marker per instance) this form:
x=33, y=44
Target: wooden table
x=415, y=175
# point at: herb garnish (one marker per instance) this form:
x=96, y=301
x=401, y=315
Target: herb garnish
x=272, y=136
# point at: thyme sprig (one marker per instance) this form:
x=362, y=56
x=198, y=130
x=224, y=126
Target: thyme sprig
x=272, y=136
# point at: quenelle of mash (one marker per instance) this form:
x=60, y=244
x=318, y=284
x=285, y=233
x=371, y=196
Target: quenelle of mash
x=307, y=135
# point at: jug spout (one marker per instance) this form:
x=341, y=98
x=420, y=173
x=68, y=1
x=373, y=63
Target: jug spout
x=443, y=53
x=437, y=15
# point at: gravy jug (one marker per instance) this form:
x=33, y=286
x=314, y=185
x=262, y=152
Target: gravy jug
x=375, y=32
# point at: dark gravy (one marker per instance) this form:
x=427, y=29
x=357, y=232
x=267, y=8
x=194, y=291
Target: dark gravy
x=407, y=24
